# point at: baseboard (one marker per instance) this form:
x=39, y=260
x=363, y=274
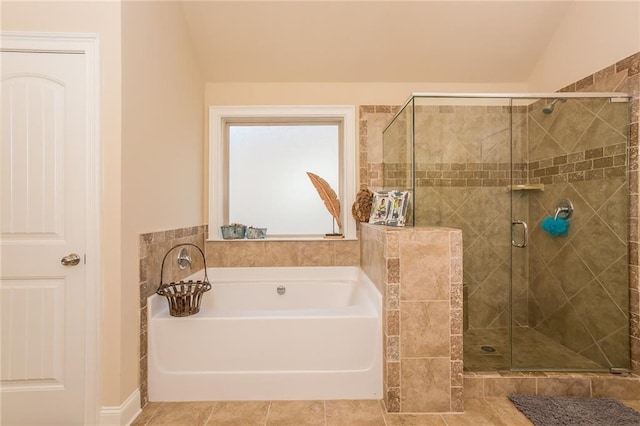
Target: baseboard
x=122, y=415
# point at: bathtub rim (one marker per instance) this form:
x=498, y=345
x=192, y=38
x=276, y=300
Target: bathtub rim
x=157, y=307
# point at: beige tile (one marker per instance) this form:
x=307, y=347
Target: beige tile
x=457, y=320
x=393, y=322
x=633, y=403
x=414, y=420
x=234, y=413
x=456, y=345
x=393, y=374
x=393, y=270
x=507, y=412
x=457, y=399
x=563, y=386
x=393, y=297
x=425, y=330
x=621, y=388
x=354, y=413
x=425, y=277
x=296, y=413
x=392, y=247
x=456, y=296
x=456, y=244
x=316, y=253
x=456, y=270
x=477, y=412
x=182, y=414
x=347, y=253
x=502, y=386
x=393, y=348
x=147, y=413
x=282, y=253
x=425, y=385
x=392, y=400
x=457, y=373
x=474, y=387
x=242, y=253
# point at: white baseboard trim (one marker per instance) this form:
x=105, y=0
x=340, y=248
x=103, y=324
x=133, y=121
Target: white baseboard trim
x=124, y=414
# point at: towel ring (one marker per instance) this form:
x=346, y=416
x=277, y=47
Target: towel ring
x=564, y=209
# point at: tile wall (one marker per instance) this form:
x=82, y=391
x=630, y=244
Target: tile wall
x=600, y=385
x=462, y=156
x=373, y=120
x=282, y=253
x=463, y=181
x=419, y=273
x=153, y=247
x=623, y=76
x=579, y=293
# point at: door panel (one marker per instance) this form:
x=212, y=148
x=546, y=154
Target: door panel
x=32, y=163
x=43, y=220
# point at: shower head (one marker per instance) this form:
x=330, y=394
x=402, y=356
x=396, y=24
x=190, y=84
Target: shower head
x=548, y=109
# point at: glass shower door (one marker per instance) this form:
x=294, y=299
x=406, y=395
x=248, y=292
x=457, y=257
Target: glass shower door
x=462, y=155
x=569, y=292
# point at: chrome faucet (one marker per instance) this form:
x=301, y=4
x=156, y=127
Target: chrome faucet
x=184, y=259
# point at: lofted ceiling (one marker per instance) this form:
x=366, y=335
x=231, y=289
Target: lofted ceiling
x=371, y=41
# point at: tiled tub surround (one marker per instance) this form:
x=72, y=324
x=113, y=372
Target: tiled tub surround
x=153, y=246
x=282, y=253
x=419, y=273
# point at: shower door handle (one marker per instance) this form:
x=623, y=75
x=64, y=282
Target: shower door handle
x=525, y=234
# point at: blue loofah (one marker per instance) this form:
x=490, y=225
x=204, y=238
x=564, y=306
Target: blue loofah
x=555, y=227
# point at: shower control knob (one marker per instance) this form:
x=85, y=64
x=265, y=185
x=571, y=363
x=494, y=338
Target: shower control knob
x=70, y=260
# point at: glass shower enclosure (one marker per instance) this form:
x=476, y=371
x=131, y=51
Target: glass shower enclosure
x=538, y=184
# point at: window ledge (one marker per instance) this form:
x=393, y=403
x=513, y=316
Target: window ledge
x=281, y=239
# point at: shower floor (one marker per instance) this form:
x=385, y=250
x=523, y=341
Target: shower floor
x=531, y=351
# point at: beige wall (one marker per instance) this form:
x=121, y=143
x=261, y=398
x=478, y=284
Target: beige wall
x=103, y=19
x=162, y=122
x=151, y=135
x=382, y=93
x=592, y=36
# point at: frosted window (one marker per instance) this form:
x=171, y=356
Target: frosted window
x=258, y=163
x=268, y=184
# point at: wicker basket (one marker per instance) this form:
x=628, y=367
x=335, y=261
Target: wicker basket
x=184, y=297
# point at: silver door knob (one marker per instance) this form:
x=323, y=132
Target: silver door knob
x=70, y=260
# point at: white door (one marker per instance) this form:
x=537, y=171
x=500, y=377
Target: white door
x=43, y=172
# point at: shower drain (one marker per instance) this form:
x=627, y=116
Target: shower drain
x=487, y=348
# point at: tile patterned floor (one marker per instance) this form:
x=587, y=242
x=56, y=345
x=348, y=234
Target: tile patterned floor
x=478, y=411
x=531, y=350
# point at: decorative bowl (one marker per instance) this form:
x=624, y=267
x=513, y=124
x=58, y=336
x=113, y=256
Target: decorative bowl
x=233, y=231
x=256, y=233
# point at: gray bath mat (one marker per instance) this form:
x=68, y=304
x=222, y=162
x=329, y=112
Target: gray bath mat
x=564, y=410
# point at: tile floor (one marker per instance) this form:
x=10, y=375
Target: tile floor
x=531, y=350
x=478, y=411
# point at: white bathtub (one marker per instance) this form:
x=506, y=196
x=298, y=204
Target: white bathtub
x=321, y=339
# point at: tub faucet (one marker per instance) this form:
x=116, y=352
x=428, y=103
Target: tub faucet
x=184, y=259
